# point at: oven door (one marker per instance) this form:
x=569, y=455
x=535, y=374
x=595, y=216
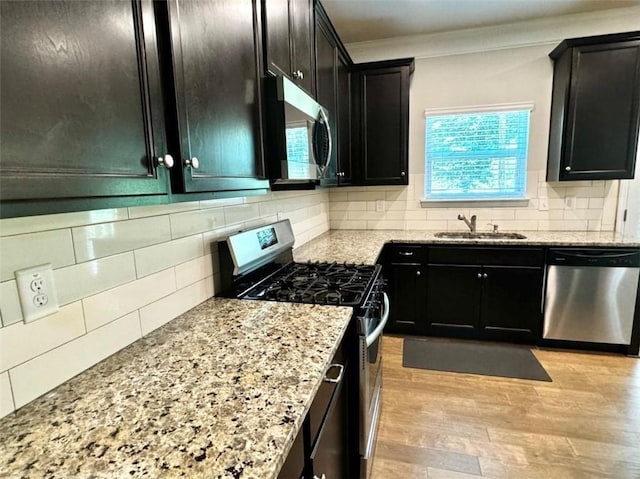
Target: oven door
x=370, y=384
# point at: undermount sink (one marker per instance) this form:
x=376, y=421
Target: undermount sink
x=476, y=235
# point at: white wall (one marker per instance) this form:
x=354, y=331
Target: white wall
x=480, y=67
x=120, y=274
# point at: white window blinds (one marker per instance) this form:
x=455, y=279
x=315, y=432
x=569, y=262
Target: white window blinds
x=477, y=153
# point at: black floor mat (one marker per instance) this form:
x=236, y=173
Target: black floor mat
x=473, y=358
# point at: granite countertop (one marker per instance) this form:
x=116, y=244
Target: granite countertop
x=221, y=391
x=363, y=246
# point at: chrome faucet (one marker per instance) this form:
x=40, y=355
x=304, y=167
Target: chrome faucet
x=471, y=224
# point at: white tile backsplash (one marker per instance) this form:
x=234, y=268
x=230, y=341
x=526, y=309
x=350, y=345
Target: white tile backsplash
x=194, y=270
x=97, y=241
x=114, y=303
x=118, y=271
x=6, y=395
x=164, y=255
x=32, y=224
x=33, y=378
x=10, y=303
x=91, y=277
x=21, y=342
x=26, y=250
x=593, y=208
x=164, y=310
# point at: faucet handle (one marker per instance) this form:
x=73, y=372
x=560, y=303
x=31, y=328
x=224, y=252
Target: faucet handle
x=495, y=227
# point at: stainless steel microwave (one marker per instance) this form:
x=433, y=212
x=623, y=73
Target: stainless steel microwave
x=298, y=137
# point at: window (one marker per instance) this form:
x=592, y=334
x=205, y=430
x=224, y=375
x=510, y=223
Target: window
x=478, y=153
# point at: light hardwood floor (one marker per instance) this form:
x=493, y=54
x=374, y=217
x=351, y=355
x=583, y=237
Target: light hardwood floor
x=438, y=425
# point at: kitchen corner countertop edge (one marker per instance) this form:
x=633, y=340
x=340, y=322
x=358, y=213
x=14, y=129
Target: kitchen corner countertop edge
x=220, y=391
x=364, y=246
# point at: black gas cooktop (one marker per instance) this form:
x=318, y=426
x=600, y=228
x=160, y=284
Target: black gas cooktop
x=317, y=283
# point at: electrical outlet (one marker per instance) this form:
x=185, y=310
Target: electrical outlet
x=570, y=202
x=380, y=206
x=543, y=204
x=37, y=292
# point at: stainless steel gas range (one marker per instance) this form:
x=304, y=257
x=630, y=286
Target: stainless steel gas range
x=258, y=264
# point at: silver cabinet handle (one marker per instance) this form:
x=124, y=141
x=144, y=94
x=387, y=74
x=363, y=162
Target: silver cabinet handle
x=298, y=75
x=567, y=168
x=321, y=477
x=479, y=275
x=485, y=276
x=405, y=253
x=402, y=173
x=194, y=163
x=418, y=273
x=338, y=378
x=166, y=161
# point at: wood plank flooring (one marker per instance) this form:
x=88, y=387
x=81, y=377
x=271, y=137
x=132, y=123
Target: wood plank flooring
x=437, y=425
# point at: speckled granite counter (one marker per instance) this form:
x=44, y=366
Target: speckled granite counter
x=363, y=246
x=219, y=392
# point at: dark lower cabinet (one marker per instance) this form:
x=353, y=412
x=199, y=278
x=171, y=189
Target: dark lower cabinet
x=497, y=296
x=464, y=292
x=453, y=300
x=404, y=269
x=511, y=302
x=326, y=445
x=406, y=287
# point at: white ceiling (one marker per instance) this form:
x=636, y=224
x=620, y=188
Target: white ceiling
x=364, y=20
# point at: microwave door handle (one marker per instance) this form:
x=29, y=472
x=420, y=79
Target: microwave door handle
x=371, y=338
x=330, y=149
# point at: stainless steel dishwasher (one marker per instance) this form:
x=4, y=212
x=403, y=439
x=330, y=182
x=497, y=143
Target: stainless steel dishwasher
x=591, y=295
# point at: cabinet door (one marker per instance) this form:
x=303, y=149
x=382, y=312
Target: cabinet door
x=453, y=300
x=604, y=112
x=217, y=129
x=81, y=103
x=302, y=52
x=327, y=76
x=511, y=303
x=345, y=174
x=406, y=286
x=277, y=37
x=293, y=467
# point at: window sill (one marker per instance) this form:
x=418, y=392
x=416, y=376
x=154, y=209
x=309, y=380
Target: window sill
x=483, y=203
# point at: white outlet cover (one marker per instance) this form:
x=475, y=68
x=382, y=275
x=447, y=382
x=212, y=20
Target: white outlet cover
x=543, y=204
x=380, y=206
x=37, y=291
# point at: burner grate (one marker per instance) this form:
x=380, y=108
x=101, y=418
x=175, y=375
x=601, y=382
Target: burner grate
x=317, y=283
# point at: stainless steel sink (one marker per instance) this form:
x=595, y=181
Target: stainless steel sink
x=476, y=235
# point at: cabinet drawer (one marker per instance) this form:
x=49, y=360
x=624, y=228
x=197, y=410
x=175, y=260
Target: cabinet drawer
x=503, y=256
x=405, y=253
x=323, y=397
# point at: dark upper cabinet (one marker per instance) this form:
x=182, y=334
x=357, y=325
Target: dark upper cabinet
x=288, y=28
x=595, y=110
x=327, y=86
x=81, y=106
x=345, y=171
x=214, y=94
x=333, y=65
x=380, y=134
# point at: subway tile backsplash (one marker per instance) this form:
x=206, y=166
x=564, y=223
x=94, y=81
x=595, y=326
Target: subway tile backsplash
x=570, y=206
x=120, y=274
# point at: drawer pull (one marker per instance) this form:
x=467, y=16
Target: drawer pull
x=338, y=378
x=405, y=253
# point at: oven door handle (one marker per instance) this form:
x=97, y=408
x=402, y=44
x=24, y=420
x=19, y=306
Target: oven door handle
x=371, y=338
